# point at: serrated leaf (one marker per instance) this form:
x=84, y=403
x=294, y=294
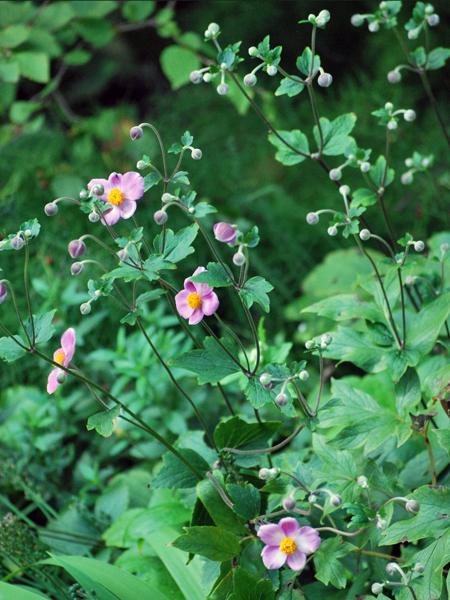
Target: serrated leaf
x=215, y=543
x=289, y=87
x=293, y=153
x=215, y=276
x=211, y=363
x=329, y=569
x=103, y=422
x=174, y=474
x=256, y=290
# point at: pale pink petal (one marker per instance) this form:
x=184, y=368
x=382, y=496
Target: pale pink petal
x=272, y=557
x=289, y=526
x=52, y=382
x=127, y=209
x=189, y=286
x=271, y=534
x=68, y=341
x=103, y=182
x=296, y=561
x=196, y=316
x=132, y=185
x=307, y=540
x=111, y=216
x=115, y=179
x=183, y=307
x=210, y=303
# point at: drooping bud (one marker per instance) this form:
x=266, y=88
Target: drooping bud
x=76, y=268
x=212, y=30
x=94, y=217
x=76, y=248
x=377, y=588
x=309, y=344
x=419, y=246
x=3, y=292
x=392, y=124
x=17, y=243
x=265, y=378
x=250, y=79
x=196, y=154
x=303, y=375
x=271, y=70
x=394, y=76
x=365, y=167
x=239, y=258
x=389, y=106
x=207, y=77
x=362, y=482
x=365, y=235
x=289, y=503
x=136, y=132
x=160, y=217
x=332, y=230
x=380, y=523
x=409, y=115
x=85, y=308
x=325, y=80
x=51, y=209
x=412, y=506
x=224, y=232
x=391, y=568
x=322, y=18
x=98, y=189
x=312, y=498
x=419, y=567
x=264, y=474
x=433, y=20
x=407, y=178
x=312, y=218
x=326, y=339
x=253, y=51
x=222, y=89
x=83, y=194
x=196, y=77
x=274, y=472
x=166, y=197
x=357, y=20
x=374, y=27
x=335, y=500
x=335, y=174
x=281, y=399
x=141, y=165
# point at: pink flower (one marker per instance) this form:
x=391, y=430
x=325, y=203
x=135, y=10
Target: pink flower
x=224, y=232
x=62, y=356
x=196, y=300
x=288, y=543
x=121, y=192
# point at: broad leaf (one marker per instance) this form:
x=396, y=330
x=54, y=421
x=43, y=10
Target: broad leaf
x=212, y=363
x=256, y=290
x=174, y=474
x=291, y=148
x=215, y=543
x=104, y=422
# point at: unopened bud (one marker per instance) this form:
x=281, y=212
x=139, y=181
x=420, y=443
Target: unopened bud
x=250, y=79
x=326, y=339
x=362, y=482
x=76, y=268
x=365, y=235
x=394, y=76
x=309, y=344
x=419, y=568
x=196, y=77
x=271, y=70
x=85, y=308
x=374, y=27
x=391, y=568
x=407, y=178
x=83, y=194
x=412, y=506
x=335, y=174
x=166, y=197
x=160, y=217
x=17, y=243
x=253, y=51
x=419, y=246
x=303, y=375
x=97, y=189
x=122, y=255
x=433, y=20
x=213, y=28
x=94, y=217
x=409, y=115
x=288, y=503
x=281, y=399
x=312, y=218
x=322, y=18
x=392, y=124
x=264, y=474
x=239, y=259
x=196, y=154
x=274, y=472
x=207, y=77
x=222, y=89
x=141, y=164
x=380, y=522
x=312, y=498
x=325, y=80
x=357, y=20
x=377, y=588
x=265, y=378
x=136, y=132
x=61, y=377
x=335, y=500
x=76, y=248
x=443, y=247
x=365, y=167
x=51, y=209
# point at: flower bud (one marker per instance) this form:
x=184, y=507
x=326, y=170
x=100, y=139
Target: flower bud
x=335, y=174
x=433, y=20
x=419, y=246
x=141, y=164
x=419, y=568
x=362, y=482
x=83, y=194
x=394, y=76
x=391, y=568
x=409, y=162
x=309, y=344
x=364, y=234
x=335, y=500
x=76, y=248
x=213, y=29
x=271, y=70
x=380, y=522
x=325, y=80
x=94, y=217
x=303, y=375
x=61, y=377
x=322, y=18
x=76, y=268
x=224, y=232
x=122, y=255
x=250, y=79
x=326, y=339
x=207, y=77
x=364, y=167
x=332, y=231
x=85, y=308
x=377, y=588
x=196, y=77
x=51, y=209
x=443, y=247
x=409, y=115
x=265, y=378
x=281, y=399
x=389, y=106
x=166, y=197
x=312, y=498
x=239, y=258
x=3, y=292
x=274, y=472
x=288, y=503
x=17, y=243
x=413, y=34
x=357, y=20
x=374, y=27
x=253, y=51
x=407, y=178
x=412, y=506
x=160, y=217
x=312, y=218
x=222, y=89
x=264, y=474
x=429, y=9
x=392, y=124
x=98, y=189
x=425, y=162
x=196, y=154
x=136, y=132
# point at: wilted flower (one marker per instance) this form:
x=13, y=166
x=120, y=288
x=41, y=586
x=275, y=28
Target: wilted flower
x=121, y=192
x=287, y=542
x=62, y=356
x=196, y=300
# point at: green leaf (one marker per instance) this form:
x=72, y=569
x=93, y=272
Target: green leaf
x=103, y=422
x=9, y=70
x=174, y=474
x=431, y=520
x=335, y=133
x=177, y=64
x=436, y=58
x=255, y=290
x=77, y=57
x=220, y=513
x=297, y=141
x=246, y=499
x=329, y=569
x=256, y=394
x=34, y=66
x=215, y=276
x=97, y=32
x=9, y=350
x=21, y=111
x=289, y=87
x=381, y=176
x=215, y=543
x=13, y=36
x=151, y=180
x=344, y=307
x=19, y=592
x=363, y=197
x=349, y=345
x=434, y=558
x=407, y=392
x=428, y=324
x=43, y=327
x=211, y=364
x=178, y=245
x=304, y=62
x=247, y=586
x=237, y=433
x=54, y=16
x=136, y=10
x=94, y=9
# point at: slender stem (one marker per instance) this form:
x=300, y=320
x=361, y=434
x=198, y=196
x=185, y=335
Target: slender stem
x=301, y=399
x=339, y=532
x=254, y=330
x=220, y=490
x=235, y=337
x=381, y=190
x=321, y=378
x=27, y=293
x=161, y=145
x=377, y=554
x=434, y=104
x=402, y=302
x=297, y=480
x=222, y=345
x=275, y=448
x=16, y=308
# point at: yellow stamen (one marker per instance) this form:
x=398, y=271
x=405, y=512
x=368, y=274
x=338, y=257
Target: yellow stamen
x=116, y=196
x=59, y=357
x=288, y=546
x=194, y=300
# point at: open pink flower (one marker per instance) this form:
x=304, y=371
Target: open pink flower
x=121, y=192
x=62, y=356
x=196, y=300
x=288, y=543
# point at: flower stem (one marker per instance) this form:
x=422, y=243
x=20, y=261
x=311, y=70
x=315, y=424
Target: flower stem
x=27, y=293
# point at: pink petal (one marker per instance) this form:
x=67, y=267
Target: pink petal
x=271, y=534
x=272, y=557
x=289, y=526
x=68, y=341
x=210, y=303
x=189, y=286
x=115, y=179
x=52, y=382
x=307, y=540
x=111, y=216
x=200, y=288
x=196, y=316
x=183, y=307
x=127, y=209
x=296, y=561
x=132, y=185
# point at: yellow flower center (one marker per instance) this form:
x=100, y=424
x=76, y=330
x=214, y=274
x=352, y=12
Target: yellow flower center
x=288, y=546
x=194, y=300
x=59, y=357
x=116, y=196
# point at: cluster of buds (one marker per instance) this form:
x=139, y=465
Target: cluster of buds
x=415, y=164
x=321, y=344
x=321, y=19
x=389, y=117
x=335, y=499
x=392, y=569
x=269, y=62
x=268, y=474
x=269, y=381
x=384, y=16
x=423, y=15
x=229, y=234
